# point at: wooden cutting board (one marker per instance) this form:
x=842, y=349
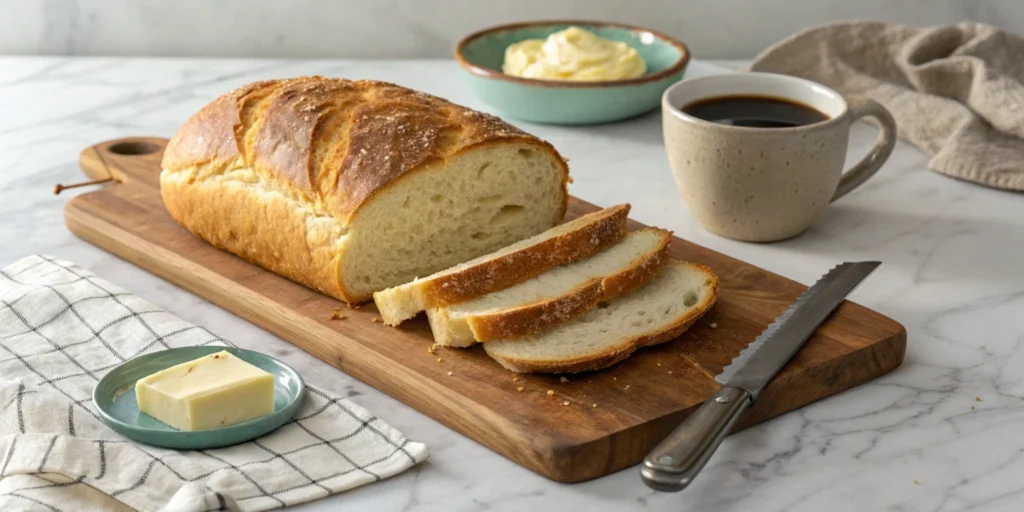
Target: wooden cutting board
x=592, y=424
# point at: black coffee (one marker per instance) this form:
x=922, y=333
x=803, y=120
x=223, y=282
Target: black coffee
x=754, y=111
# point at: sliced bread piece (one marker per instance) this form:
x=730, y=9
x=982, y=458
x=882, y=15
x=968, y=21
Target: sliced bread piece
x=514, y=264
x=656, y=313
x=555, y=296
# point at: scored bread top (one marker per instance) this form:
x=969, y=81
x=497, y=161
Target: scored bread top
x=332, y=141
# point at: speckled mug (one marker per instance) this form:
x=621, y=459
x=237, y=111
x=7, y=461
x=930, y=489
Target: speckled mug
x=766, y=184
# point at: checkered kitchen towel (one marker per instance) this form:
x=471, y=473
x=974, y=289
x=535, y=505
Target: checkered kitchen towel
x=62, y=329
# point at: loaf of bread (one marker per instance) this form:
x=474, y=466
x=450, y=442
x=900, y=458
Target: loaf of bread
x=351, y=187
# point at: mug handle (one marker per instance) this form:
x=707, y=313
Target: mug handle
x=884, y=145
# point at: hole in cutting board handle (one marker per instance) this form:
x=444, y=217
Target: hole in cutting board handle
x=133, y=148
x=129, y=160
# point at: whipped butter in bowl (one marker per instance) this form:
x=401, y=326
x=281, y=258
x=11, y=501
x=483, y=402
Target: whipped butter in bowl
x=573, y=54
x=571, y=72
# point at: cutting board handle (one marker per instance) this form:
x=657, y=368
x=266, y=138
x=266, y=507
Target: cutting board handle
x=131, y=160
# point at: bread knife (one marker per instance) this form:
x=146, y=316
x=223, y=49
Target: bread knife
x=674, y=463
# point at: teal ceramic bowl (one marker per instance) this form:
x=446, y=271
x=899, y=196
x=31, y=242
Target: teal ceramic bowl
x=568, y=102
x=114, y=399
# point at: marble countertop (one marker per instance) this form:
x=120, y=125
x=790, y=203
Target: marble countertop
x=941, y=433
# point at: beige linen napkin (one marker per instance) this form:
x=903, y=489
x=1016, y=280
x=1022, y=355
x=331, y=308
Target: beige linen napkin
x=62, y=329
x=957, y=92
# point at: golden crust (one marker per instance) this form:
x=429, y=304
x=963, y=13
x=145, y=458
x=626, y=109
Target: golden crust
x=618, y=353
x=330, y=144
x=518, y=266
x=261, y=236
x=334, y=141
x=540, y=315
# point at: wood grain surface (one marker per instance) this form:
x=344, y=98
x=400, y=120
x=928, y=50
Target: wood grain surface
x=594, y=424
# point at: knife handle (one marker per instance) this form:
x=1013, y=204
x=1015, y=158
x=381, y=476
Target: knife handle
x=674, y=463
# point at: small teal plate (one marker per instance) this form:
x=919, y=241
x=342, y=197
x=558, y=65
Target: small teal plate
x=114, y=398
x=482, y=53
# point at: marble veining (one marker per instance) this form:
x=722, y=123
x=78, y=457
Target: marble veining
x=942, y=433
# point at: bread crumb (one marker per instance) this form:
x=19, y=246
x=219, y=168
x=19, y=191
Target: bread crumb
x=670, y=372
x=659, y=364
x=376, y=320
x=613, y=378
x=972, y=407
x=433, y=348
x=439, y=359
x=978, y=399
x=916, y=482
x=337, y=315
x=593, y=405
x=627, y=387
x=565, y=402
x=713, y=325
x=551, y=392
x=520, y=389
x=515, y=378
x=563, y=380
x=450, y=374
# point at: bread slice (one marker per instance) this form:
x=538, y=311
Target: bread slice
x=656, y=313
x=514, y=264
x=555, y=296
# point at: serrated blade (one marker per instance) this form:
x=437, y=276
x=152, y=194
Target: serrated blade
x=757, y=364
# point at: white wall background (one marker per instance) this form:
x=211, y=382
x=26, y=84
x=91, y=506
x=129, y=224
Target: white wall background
x=428, y=28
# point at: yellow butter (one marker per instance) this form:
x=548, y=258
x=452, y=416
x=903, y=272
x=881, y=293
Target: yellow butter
x=573, y=54
x=210, y=392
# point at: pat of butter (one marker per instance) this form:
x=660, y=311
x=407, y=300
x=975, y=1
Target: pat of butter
x=210, y=392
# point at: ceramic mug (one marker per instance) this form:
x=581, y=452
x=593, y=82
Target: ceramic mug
x=765, y=184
